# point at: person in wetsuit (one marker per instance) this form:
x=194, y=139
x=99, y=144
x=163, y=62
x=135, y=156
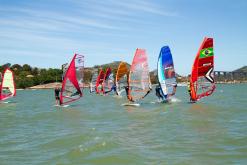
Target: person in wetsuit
x=113, y=88
x=158, y=92
x=189, y=86
x=127, y=93
x=57, y=91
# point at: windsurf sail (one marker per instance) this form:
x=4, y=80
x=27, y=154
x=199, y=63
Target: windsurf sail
x=100, y=79
x=7, y=88
x=202, y=76
x=166, y=73
x=93, y=81
x=108, y=82
x=139, y=84
x=72, y=85
x=121, y=77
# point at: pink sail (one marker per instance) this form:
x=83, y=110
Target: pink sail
x=139, y=80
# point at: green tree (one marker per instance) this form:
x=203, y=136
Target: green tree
x=27, y=68
x=35, y=71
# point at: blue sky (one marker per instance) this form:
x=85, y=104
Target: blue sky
x=46, y=33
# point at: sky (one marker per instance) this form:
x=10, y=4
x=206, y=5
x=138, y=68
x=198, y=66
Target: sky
x=47, y=33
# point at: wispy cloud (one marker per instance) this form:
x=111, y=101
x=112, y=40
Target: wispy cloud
x=95, y=27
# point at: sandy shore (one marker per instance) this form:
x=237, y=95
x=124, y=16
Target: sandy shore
x=46, y=86
x=50, y=86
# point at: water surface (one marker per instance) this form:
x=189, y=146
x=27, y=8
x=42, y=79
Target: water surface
x=98, y=130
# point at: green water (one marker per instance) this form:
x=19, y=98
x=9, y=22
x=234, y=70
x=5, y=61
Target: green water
x=98, y=130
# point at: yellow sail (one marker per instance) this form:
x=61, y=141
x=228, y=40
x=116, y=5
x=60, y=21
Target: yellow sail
x=8, y=86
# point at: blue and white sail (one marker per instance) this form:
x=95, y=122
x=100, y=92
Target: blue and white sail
x=166, y=73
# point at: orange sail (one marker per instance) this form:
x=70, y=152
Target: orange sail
x=121, y=77
x=202, y=76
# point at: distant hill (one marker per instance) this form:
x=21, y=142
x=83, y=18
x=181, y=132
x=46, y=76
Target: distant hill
x=242, y=69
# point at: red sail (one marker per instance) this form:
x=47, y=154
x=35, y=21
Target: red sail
x=202, y=76
x=100, y=79
x=108, y=80
x=73, y=80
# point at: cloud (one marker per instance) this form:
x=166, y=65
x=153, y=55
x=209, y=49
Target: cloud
x=98, y=28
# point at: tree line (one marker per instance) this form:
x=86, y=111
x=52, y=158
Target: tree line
x=26, y=76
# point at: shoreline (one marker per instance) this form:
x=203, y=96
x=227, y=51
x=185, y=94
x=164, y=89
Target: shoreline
x=50, y=86
x=53, y=85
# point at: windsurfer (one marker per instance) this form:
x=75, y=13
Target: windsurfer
x=113, y=88
x=189, y=86
x=158, y=92
x=174, y=89
x=57, y=91
x=128, y=94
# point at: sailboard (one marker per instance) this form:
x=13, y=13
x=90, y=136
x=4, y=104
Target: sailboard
x=139, y=84
x=93, y=81
x=131, y=104
x=166, y=73
x=202, y=77
x=72, y=85
x=7, y=88
x=108, y=81
x=121, y=78
x=100, y=79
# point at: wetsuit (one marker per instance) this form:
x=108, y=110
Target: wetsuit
x=189, y=89
x=158, y=92
x=127, y=92
x=114, y=88
x=57, y=91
